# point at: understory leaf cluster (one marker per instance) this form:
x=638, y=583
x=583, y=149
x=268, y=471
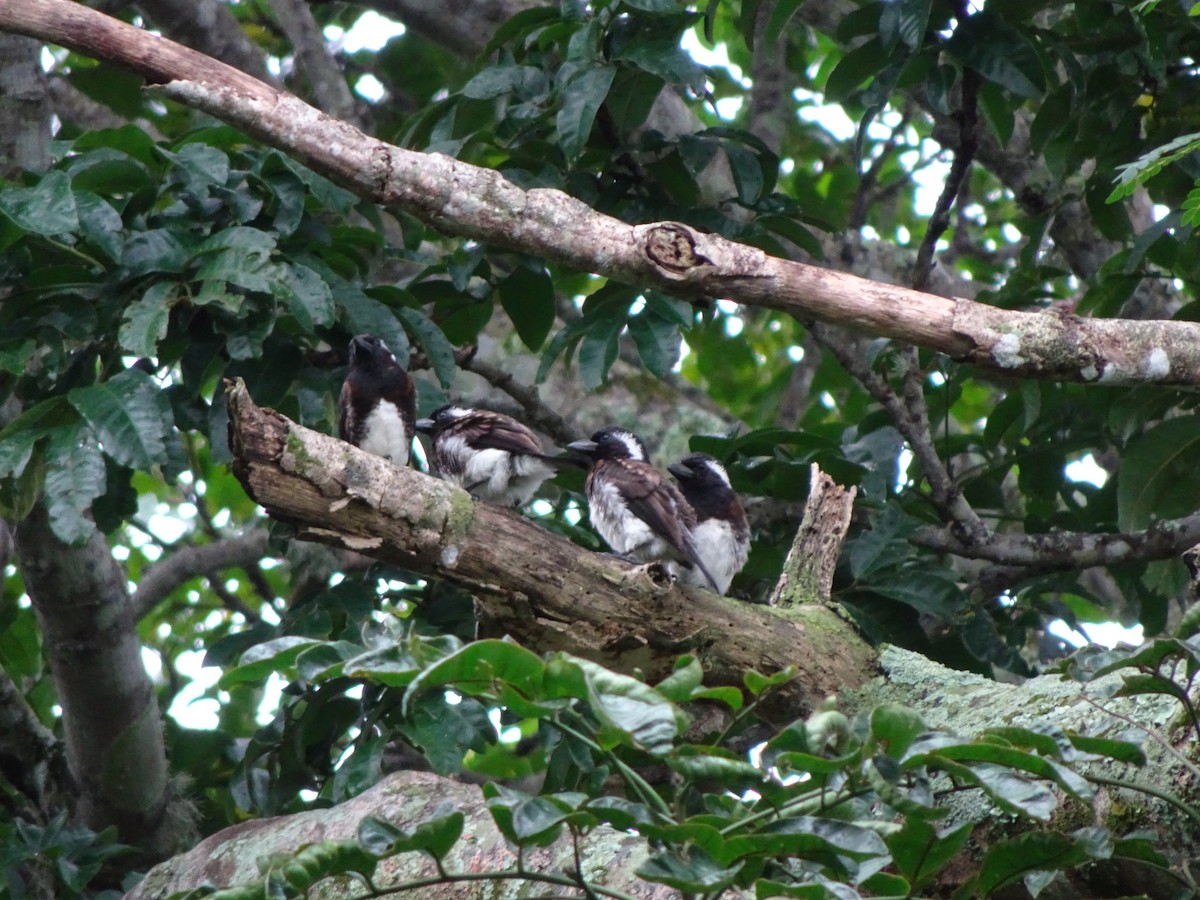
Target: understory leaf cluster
x=825, y=806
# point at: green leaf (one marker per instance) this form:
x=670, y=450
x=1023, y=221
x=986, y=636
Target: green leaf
x=145, y=321
x=679, y=685
x=532, y=821
x=904, y=21
x=1011, y=859
x=438, y=350
x=494, y=668
x=46, y=208
x=920, y=850
x=307, y=295
x=495, y=81
x=1122, y=751
x=75, y=476
x=756, y=683
x=895, y=727
x=130, y=415
x=598, y=350
x=987, y=43
x=157, y=250
x=527, y=296
x=854, y=68
x=435, y=836
x=261, y=660
x=100, y=224
x=582, y=96
x=731, y=774
x=630, y=706
x=1158, y=473
x=657, y=340
x=696, y=872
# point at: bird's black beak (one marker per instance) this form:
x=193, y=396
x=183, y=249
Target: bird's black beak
x=587, y=448
x=425, y=425
x=679, y=470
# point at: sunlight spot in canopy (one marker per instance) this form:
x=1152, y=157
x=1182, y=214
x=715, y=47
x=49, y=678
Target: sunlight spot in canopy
x=272, y=694
x=795, y=353
x=712, y=57
x=829, y=116
x=152, y=663
x=903, y=235
x=453, y=698
x=1106, y=634
x=370, y=32
x=336, y=578
x=1011, y=232
x=268, y=614
x=120, y=554
x=827, y=400
x=734, y=325
x=189, y=707
x=1160, y=212
x=506, y=734
x=370, y=88
x=903, y=461
x=1086, y=469
x=787, y=166
x=937, y=379
x=637, y=305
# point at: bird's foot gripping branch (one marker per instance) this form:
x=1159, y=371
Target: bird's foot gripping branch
x=544, y=591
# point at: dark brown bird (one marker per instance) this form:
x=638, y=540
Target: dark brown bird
x=722, y=534
x=377, y=406
x=638, y=512
x=491, y=455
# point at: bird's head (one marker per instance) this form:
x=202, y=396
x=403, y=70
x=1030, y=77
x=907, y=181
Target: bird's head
x=440, y=418
x=699, y=470
x=611, y=443
x=369, y=351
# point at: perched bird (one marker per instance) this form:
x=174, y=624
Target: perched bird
x=491, y=455
x=638, y=512
x=377, y=407
x=721, y=535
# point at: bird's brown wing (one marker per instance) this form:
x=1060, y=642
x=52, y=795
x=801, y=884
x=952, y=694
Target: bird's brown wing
x=499, y=432
x=661, y=505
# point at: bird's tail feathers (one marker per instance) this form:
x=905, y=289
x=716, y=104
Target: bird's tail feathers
x=694, y=557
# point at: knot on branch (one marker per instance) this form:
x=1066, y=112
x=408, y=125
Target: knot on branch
x=672, y=247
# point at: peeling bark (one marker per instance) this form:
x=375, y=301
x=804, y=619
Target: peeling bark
x=808, y=570
x=479, y=203
x=546, y=592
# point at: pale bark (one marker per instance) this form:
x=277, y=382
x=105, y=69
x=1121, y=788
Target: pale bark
x=478, y=203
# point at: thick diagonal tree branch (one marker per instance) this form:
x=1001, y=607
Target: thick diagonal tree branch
x=545, y=591
x=479, y=203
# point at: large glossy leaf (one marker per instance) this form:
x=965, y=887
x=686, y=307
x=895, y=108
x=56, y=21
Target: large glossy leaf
x=582, y=95
x=75, y=476
x=435, y=836
x=46, y=208
x=130, y=415
x=1158, y=474
x=499, y=669
x=527, y=295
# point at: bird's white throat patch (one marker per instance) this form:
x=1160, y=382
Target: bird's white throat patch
x=384, y=433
